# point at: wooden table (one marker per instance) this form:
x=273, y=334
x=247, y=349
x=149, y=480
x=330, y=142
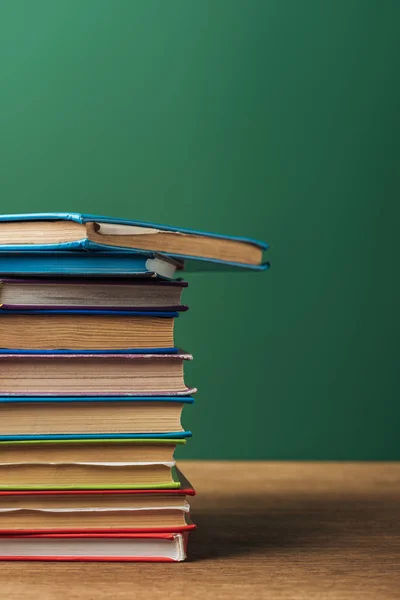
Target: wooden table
x=266, y=530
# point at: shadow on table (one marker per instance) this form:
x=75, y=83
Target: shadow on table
x=294, y=523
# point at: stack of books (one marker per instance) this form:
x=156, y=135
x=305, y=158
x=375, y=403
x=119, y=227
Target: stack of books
x=92, y=385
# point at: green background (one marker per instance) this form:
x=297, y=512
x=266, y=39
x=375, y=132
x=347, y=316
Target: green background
x=274, y=119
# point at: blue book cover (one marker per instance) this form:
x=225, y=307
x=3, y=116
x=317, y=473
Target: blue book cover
x=100, y=233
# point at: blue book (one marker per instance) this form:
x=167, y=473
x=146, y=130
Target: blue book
x=83, y=264
x=83, y=332
x=86, y=418
x=75, y=231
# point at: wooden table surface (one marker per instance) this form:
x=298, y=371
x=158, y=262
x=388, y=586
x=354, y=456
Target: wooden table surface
x=266, y=530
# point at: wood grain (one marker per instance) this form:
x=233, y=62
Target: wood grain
x=288, y=531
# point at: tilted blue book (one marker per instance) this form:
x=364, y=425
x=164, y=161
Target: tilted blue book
x=84, y=264
x=100, y=233
x=4, y=401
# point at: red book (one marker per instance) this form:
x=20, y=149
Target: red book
x=116, y=547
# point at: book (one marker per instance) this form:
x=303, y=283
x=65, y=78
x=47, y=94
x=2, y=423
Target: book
x=87, y=475
x=66, y=416
x=91, y=294
x=86, y=264
x=126, y=515
x=115, y=547
x=37, y=450
x=93, y=374
x=75, y=231
x=87, y=330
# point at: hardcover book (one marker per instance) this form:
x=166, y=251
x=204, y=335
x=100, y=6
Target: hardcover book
x=99, y=331
x=92, y=374
x=75, y=231
x=26, y=475
x=91, y=294
x=21, y=417
x=86, y=264
x=98, y=547
x=127, y=516
x=37, y=449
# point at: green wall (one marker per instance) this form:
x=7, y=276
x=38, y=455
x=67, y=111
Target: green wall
x=277, y=119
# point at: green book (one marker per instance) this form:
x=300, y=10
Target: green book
x=89, y=464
